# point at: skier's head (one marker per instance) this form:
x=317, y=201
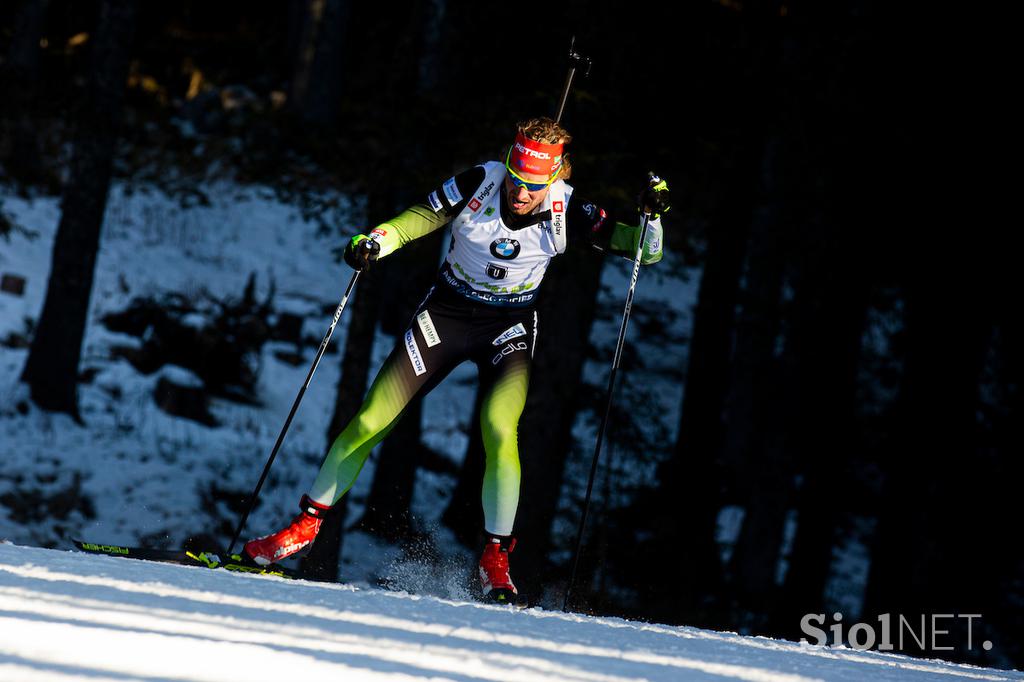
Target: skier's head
x=534, y=161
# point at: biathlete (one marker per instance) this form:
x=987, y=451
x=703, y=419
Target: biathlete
x=509, y=219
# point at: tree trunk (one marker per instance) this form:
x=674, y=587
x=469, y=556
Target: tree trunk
x=51, y=370
x=1007, y=439
x=689, y=497
x=431, y=35
x=827, y=341
x=753, y=449
x=936, y=525
x=833, y=286
x=316, y=85
x=22, y=73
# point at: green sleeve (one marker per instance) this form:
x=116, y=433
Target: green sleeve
x=412, y=223
x=624, y=240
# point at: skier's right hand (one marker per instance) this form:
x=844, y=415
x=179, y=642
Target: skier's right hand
x=361, y=251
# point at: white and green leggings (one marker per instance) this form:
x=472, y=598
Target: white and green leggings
x=446, y=331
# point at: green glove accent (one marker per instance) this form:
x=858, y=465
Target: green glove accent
x=655, y=198
x=361, y=251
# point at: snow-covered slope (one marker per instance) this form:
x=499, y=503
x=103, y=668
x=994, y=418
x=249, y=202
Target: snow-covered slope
x=69, y=616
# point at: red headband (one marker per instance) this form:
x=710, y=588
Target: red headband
x=530, y=156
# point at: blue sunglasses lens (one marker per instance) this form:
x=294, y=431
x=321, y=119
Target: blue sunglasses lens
x=530, y=186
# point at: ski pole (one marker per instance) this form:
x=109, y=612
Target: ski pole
x=645, y=221
x=295, y=407
x=575, y=60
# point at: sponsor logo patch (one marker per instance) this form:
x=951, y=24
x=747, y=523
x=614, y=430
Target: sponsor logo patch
x=377, y=232
x=508, y=350
x=489, y=212
x=451, y=190
x=510, y=333
x=435, y=202
x=495, y=271
x=430, y=334
x=413, y=350
x=505, y=248
x=557, y=206
x=486, y=191
x=476, y=202
x=526, y=151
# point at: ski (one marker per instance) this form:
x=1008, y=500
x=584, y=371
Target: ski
x=503, y=597
x=229, y=562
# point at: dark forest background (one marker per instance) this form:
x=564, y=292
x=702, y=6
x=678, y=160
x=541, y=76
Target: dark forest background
x=853, y=373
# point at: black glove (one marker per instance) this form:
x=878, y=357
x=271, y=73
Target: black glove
x=654, y=198
x=361, y=251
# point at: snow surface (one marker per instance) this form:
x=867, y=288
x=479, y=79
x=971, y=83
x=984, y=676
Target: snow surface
x=146, y=470
x=72, y=616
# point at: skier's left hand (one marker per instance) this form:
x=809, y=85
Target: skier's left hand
x=655, y=199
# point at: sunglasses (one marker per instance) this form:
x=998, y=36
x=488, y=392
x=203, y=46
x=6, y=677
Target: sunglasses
x=518, y=181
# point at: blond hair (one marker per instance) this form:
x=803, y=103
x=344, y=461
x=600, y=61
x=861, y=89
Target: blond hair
x=549, y=131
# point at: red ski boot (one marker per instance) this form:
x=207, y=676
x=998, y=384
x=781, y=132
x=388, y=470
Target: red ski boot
x=495, y=582
x=298, y=535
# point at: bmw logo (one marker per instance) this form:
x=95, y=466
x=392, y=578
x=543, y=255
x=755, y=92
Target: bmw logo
x=504, y=248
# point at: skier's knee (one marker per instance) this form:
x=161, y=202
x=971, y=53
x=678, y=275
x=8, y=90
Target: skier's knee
x=368, y=424
x=499, y=431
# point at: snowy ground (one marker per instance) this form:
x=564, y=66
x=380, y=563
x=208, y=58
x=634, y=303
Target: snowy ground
x=69, y=616
x=145, y=469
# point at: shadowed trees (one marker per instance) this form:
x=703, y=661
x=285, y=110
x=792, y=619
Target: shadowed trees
x=319, y=31
x=18, y=78
x=51, y=370
x=763, y=118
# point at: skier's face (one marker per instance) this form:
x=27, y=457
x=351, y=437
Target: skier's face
x=522, y=201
